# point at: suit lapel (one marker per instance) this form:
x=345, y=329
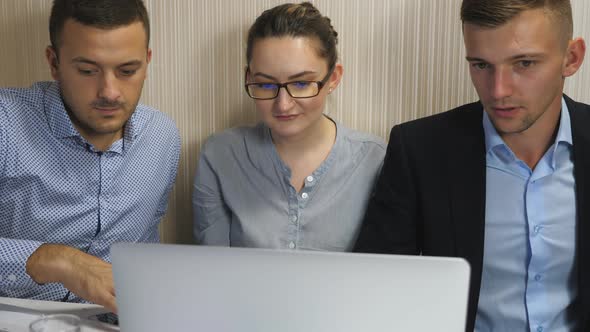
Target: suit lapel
x=580, y=121
x=467, y=183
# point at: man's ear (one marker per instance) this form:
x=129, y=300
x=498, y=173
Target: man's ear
x=53, y=61
x=574, y=57
x=148, y=58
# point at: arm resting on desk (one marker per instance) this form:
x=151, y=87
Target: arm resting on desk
x=85, y=275
x=13, y=257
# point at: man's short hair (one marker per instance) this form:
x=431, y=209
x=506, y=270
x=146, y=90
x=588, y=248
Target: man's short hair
x=102, y=14
x=494, y=13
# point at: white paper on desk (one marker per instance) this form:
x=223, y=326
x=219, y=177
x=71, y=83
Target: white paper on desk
x=15, y=321
x=50, y=307
x=19, y=322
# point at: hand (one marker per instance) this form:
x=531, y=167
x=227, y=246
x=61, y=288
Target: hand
x=85, y=275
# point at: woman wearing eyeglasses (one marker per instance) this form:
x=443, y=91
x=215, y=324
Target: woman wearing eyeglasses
x=297, y=180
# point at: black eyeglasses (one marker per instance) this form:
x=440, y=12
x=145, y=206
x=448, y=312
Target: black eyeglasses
x=295, y=89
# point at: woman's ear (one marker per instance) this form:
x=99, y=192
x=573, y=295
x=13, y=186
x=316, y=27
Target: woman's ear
x=246, y=74
x=335, y=78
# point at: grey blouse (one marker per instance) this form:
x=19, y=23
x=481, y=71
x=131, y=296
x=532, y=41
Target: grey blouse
x=243, y=197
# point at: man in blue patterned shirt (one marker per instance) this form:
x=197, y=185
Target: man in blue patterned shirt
x=82, y=164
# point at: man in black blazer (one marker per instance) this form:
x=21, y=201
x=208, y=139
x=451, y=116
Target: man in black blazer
x=447, y=190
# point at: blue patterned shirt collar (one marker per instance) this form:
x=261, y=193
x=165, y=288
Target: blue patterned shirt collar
x=62, y=127
x=495, y=142
x=59, y=121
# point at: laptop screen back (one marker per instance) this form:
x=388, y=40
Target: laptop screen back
x=194, y=288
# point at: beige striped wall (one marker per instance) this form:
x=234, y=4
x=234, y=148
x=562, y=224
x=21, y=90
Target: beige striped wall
x=403, y=59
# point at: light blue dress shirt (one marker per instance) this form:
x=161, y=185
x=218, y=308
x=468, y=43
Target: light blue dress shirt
x=529, y=275
x=56, y=188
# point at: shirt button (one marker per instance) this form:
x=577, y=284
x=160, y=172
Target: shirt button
x=293, y=218
x=304, y=195
x=309, y=178
x=292, y=245
x=537, y=229
x=538, y=277
x=11, y=277
x=540, y=329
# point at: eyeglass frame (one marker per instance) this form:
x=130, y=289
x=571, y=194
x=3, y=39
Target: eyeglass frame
x=320, y=84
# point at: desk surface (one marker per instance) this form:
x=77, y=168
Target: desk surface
x=17, y=314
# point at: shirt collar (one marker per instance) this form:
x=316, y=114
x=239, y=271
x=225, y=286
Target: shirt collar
x=136, y=122
x=57, y=116
x=271, y=149
x=62, y=127
x=564, y=133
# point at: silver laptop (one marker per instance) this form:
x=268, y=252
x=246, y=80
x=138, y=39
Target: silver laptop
x=195, y=288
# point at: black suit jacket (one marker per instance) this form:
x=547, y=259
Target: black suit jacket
x=430, y=197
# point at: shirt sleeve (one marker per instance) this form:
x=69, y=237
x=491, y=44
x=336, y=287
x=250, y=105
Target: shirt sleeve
x=391, y=222
x=13, y=258
x=211, y=216
x=13, y=253
x=3, y=140
x=174, y=159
